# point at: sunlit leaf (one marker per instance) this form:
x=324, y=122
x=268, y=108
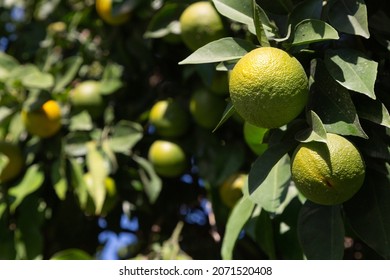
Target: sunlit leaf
x=97, y=167
x=312, y=30
x=81, y=122
x=263, y=165
x=316, y=132
x=240, y=11
x=125, y=135
x=58, y=178
x=31, y=182
x=353, y=70
x=349, y=16
x=333, y=104
x=224, y=49
x=260, y=32
x=237, y=219
x=151, y=181
x=271, y=193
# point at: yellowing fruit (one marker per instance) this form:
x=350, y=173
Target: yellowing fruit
x=329, y=173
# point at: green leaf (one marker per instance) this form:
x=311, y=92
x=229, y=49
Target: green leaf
x=76, y=143
x=68, y=70
x=271, y=193
x=151, y=181
x=373, y=110
x=31, y=182
x=97, y=167
x=265, y=235
x=240, y=214
x=125, y=135
x=316, y=132
x=309, y=9
x=78, y=183
x=313, y=30
x=353, y=70
x=260, y=32
x=7, y=63
x=111, y=80
x=165, y=22
x=71, y=254
x=240, y=11
x=5, y=113
x=333, y=104
x=368, y=212
x=58, y=178
x=321, y=231
x=264, y=164
x=38, y=80
x=81, y=122
x=224, y=49
x=349, y=16
x=229, y=111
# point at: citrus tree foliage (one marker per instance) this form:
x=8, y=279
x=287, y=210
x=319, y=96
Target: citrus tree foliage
x=50, y=210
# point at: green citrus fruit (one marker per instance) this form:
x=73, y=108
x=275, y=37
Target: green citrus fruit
x=104, y=9
x=206, y=108
x=254, y=136
x=86, y=96
x=329, y=173
x=268, y=87
x=200, y=24
x=15, y=161
x=170, y=118
x=167, y=158
x=110, y=199
x=45, y=121
x=232, y=189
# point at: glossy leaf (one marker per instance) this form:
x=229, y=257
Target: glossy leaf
x=373, y=110
x=353, y=70
x=368, y=212
x=271, y=193
x=309, y=9
x=31, y=182
x=263, y=165
x=321, y=231
x=316, y=132
x=237, y=219
x=312, y=30
x=260, y=32
x=240, y=11
x=349, y=16
x=224, y=49
x=333, y=104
